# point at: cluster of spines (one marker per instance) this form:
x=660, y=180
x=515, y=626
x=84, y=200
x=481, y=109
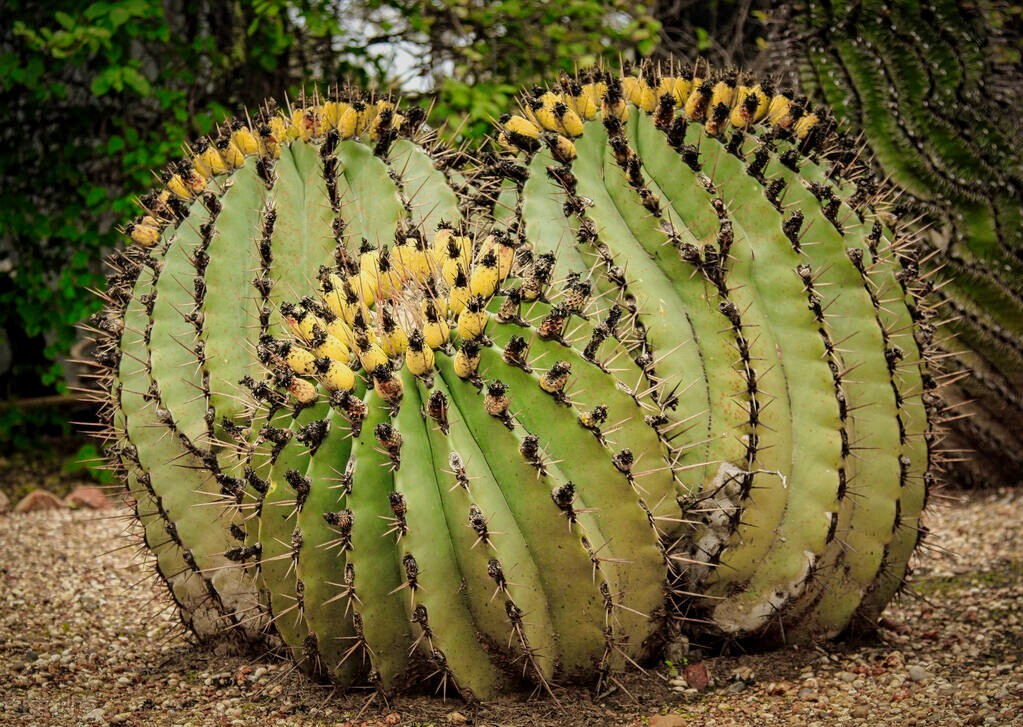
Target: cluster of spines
x=390, y=308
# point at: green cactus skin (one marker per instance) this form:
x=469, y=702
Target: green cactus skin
x=935, y=90
x=418, y=420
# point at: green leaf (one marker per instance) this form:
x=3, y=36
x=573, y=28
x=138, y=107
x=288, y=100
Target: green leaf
x=703, y=43
x=64, y=20
x=100, y=85
x=96, y=10
x=93, y=198
x=136, y=81
x=119, y=16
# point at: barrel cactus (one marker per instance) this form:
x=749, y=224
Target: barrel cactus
x=653, y=366
x=935, y=88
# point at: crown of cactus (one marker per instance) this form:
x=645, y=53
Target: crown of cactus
x=935, y=88
x=653, y=367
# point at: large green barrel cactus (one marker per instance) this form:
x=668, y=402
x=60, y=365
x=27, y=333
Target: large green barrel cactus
x=650, y=367
x=935, y=88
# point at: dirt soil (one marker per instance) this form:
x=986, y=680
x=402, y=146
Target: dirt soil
x=87, y=637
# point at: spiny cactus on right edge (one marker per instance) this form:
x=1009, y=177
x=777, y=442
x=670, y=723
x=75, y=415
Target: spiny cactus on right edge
x=654, y=368
x=936, y=89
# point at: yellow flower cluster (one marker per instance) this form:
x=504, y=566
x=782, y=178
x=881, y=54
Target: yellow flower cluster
x=402, y=304
x=558, y=116
x=227, y=151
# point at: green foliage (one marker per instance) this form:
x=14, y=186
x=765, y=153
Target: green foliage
x=88, y=461
x=21, y=429
x=723, y=32
x=476, y=105
x=470, y=57
x=57, y=190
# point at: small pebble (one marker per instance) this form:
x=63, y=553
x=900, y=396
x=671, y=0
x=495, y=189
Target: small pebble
x=917, y=673
x=697, y=676
x=38, y=500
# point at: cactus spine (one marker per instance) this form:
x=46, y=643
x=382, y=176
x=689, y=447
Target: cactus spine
x=522, y=422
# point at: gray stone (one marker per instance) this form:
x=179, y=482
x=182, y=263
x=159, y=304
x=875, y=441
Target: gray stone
x=917, y=673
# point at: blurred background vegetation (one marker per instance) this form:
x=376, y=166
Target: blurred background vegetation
x=97, y=97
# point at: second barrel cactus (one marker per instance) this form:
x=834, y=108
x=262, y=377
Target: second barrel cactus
x=935, y=87
x=653, y=367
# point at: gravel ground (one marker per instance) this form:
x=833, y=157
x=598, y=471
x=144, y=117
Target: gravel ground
x=86, y=637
